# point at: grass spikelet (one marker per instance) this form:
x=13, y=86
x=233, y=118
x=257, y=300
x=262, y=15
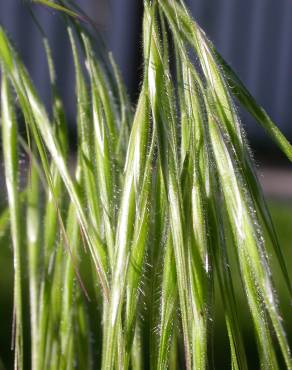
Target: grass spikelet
x=9, y=139
x=162, y=217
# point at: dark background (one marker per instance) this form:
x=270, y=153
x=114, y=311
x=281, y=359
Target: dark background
x=253, y=36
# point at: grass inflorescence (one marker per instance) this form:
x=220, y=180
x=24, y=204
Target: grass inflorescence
x=162, y=210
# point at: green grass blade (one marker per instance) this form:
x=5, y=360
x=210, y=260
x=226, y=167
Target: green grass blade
x=265, y=216
x=73, y=322
x=169, y=298
x=160, y=204
x=106, y=176
x=5, y=217
x=51, y=222
x=9, y=140
x=40, y=126
x=138, y=250
x=225, y=278
x=4, y=222
x=125, y=111
x=159, y=230
x=163, y=116
x=134, y=174
x=58, y=7
x=251, y=255
x=249, y=103
x=33, y=253
x=85, y=128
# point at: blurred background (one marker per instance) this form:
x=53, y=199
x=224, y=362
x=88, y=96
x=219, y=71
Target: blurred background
x=253, y=36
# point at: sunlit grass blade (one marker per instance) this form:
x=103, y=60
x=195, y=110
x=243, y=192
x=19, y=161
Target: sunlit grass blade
x=249, y=103
x=163, y=216
x=169, y=298
x=39, y=124
x=83, y=345
x=104, y=153
x=225, y=107
x=187, y=30
x=218, y=239
x=161, y=106
x=158, y=233
x=125, y=111
x=9, y=140
x=74, y=339
x=129, y=210
x=265, y=216
x=194, y=177
x=250, y=248
x=138, y=249
x=34, y=253
x=238, y=355
x=226, y=110
x=87, y=155
x=59, y=120
x=105, y=93
x=206, y=201
x=50, y=230
x=68, y=305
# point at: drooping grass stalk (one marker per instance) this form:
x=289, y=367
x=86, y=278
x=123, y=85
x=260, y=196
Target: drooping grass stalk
x=134, y=178
x=244, y=235
x=161, y=111
x=160, y=205
x=103, y=144
x=9, y=140
x=222, y=264
x=187, y=27
x=125, y=112
x=72, y=317
x=218, y=88
x=51, y=233
x=41, y=130
x=169, y=299
x=138, y=251
x=85, y=129
x=151, y=288
x=33, y=244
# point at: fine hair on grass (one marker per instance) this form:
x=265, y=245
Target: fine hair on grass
x=124, y=257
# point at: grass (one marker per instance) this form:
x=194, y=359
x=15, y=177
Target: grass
x=127, y=257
